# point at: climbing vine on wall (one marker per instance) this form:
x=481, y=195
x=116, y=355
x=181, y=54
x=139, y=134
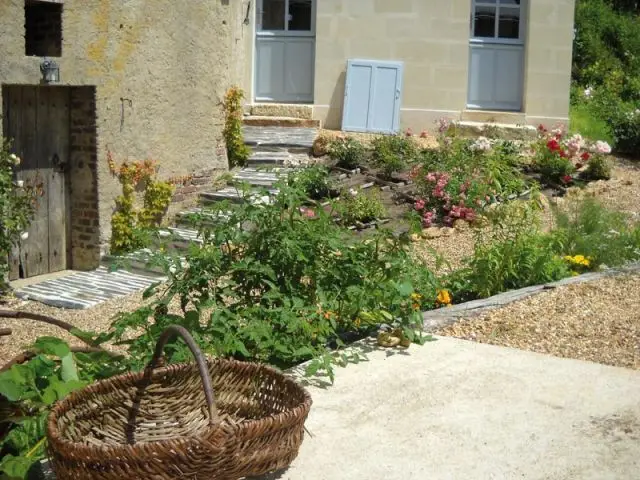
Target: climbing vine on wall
x=237, y=151
x=130, y=227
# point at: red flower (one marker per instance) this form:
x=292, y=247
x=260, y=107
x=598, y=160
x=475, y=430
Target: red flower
x=567, y=179
x=585, y=156
x=541, y=128
x=564, y=154
x=553, y=145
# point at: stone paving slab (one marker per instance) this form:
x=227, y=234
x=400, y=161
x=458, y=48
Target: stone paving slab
x=82, y=290
x=279, y=136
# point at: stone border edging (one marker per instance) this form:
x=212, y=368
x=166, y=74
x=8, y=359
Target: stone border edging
x=437, y=319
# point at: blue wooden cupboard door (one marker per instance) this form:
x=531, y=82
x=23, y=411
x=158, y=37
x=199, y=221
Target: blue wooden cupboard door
x=373, y=93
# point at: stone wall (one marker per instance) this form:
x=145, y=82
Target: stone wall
x=160, y=70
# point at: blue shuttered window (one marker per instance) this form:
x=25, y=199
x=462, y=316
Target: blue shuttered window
x=373, y=94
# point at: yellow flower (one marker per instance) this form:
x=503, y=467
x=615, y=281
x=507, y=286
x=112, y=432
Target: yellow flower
x=416, y=297
x=416, y=306
x=357, y=322
x=444, y=297
x=578, y=260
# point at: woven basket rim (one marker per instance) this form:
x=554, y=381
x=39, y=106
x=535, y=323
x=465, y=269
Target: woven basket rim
x=289, y=417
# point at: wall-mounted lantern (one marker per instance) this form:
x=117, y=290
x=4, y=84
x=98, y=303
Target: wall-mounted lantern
x=50, y=71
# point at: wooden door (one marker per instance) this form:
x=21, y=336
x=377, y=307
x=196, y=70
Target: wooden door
x=37, y=122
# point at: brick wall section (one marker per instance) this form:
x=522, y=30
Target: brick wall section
x=43, y=29
x=83, y=180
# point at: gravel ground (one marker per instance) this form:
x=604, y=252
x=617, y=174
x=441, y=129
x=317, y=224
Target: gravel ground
x=597, y=321
x=24, y=332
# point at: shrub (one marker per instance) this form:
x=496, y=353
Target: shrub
x=392, y=153
x=237, y=152
x=598, y=168
x=347, y=152
x=515, y=254
x=625, y=125
x=131, y=229
x=585, y=227
x=17, y=204
x=282, y=290
x=313, y=181
x=360, y=206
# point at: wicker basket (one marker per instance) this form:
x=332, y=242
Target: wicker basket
x=164, y=423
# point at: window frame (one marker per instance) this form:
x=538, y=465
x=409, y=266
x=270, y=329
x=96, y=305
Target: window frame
x=286, y=32
x=496, y=39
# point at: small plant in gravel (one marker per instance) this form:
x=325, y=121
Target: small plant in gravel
x=347, y=152
x=513, y=254
x=237, y=152
x=314, y=181
x=585, y=227
x=598, y=168
x=392, y=153
x=360, y=206
x=17, y=204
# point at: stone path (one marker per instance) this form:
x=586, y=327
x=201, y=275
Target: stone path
x=87, y=289
x=277, y=151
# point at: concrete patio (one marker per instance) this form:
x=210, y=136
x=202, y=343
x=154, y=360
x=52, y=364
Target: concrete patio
x=459, y=410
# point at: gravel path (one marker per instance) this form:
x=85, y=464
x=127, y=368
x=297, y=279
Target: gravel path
x=597, y=321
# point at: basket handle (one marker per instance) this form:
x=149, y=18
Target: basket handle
x=169, y=333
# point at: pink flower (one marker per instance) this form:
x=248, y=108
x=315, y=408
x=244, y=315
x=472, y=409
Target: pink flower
x=603, y=147
x=424, y=134
x=420, y=204
x=409, y=132
x=431, y=177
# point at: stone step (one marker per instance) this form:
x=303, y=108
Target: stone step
x=284, y=158
x=139, y=261
x=286, y=122
x=236, y=195
x=300, y=139
x=262, y=176
x=177, y=238
x=292, y=110
x=188, y=218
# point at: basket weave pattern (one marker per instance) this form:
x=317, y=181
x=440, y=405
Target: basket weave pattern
x=157, y=424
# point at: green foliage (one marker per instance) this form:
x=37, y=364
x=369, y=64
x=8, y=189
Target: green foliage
x=360, y=206
x=553, y=169
x=392, y=153
x=281, y=290
x=17, y=205
x=585, y=227
x=585, y=121
x=132, y=229
x=313, y=181
x=515, y=254
x=237, y=152
x=346, y=151
x=598, y=168
x=32, y=388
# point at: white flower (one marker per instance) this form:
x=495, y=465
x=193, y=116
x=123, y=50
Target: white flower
x=602, y=147
x=20, y=183
x=588, y=92
x=482, y=144
x=575, y=143
x=353, y=192
x=15, y=159
x=24, y=235
x=173, y=269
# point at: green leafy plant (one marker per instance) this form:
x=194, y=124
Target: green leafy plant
x=131, y=229
x=598, y=168
x=237, y=152
x=360, y=206
x=585, y=227
x=514, y=254
x=281, y=290
x=314, y=181
x=28, y=391
x=17, y=204
x=346, y=151
x=392, y=153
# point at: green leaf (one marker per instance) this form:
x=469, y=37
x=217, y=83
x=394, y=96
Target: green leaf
x=52, y=346
x=69, y=370
x=405, y=289
x=150, y=291
x=313, y=368
x=10, y=389
x=15, y=467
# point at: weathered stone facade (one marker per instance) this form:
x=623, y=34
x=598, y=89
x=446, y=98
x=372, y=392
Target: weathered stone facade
x=159, y=70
